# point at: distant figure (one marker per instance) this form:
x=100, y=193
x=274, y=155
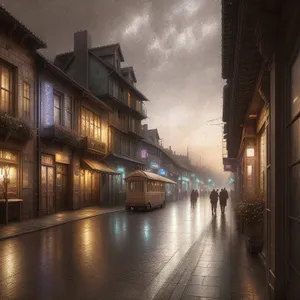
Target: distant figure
x=214, y=201
x=223, y=199
x=197, y=194
x=193, y=197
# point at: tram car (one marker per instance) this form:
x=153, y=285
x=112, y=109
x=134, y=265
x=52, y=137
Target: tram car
x=145, y=190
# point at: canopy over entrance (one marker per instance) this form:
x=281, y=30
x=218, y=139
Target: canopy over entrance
x=99, y=166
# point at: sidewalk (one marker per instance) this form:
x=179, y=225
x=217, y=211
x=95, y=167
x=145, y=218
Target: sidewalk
x=217, y=266
x=27, y=226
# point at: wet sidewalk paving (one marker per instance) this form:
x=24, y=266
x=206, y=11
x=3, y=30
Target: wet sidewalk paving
x=217, y=266
x=18, y=228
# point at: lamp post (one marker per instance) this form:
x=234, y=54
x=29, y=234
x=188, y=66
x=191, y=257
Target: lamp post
x=4, y=172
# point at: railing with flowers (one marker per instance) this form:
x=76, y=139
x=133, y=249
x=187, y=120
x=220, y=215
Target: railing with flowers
x=93, y=145
x=63, y=134
x=11, y=127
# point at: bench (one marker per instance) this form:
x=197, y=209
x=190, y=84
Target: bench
x=14, y=210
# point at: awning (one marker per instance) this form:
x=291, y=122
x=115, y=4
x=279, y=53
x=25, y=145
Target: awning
x=99, y=166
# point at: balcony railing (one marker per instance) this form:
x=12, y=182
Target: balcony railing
x=142, y=110
x=11, y=127
x=63, y=135
x=136, y=130
x=118, y=123
x=94, y=146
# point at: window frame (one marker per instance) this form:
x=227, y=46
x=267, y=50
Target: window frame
x=93, y=121
x=10, y=90
x=60, y=96
x=26, y=101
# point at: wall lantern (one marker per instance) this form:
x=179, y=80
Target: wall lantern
x=250, y=152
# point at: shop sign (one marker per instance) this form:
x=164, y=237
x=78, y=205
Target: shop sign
x=62, y=158
x=162, y=172
x=154, y=165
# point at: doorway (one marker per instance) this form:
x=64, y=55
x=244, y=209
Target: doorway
x=47, y=189
x=62, y=188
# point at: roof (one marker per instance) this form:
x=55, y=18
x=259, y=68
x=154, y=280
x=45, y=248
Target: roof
x=149, y=176
x=8, y=19
x=127, y=70
x=63, y=60
x=152, y=133
x=108, y=50
x=48, y=64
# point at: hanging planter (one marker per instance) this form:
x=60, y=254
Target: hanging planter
x=66, y=136
x=11, y=127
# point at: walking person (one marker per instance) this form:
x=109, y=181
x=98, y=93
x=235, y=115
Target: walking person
x=193, y=194
x=214, y=201
x=223, y=199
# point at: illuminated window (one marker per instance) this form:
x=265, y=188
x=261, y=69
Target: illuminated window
x=249, y=170
x=90, y=124
x=250, y=152
x=9, y=166
x=57, y=109
x=26, y=100
x=68, y=112
x=5, y=89
x=129, y=99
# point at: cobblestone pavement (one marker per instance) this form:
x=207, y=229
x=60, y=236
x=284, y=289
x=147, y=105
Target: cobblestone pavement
x=177, y=252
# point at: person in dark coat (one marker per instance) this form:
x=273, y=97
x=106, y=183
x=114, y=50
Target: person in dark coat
x=214, y=201
x=223, y=199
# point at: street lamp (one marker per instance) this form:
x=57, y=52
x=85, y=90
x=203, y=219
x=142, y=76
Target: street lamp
x=4, y=176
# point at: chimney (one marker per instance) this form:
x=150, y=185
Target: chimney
x=81, y=47
x=145, y=127
x=170, y=148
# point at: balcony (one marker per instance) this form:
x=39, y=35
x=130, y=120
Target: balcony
x=136, y=131
x=140, y=111
x=13, y=128
x=63, y=135
x=118, y=124
x=91, y=145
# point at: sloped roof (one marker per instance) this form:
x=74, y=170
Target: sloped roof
x=127, y=70
x=108, y=50
x=8, y=19
x=149, y=176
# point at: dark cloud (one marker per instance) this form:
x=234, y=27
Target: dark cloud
x=174, y=46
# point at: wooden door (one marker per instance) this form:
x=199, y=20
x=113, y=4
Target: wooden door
x=47, y=190
x=62, y=187
x=85, y=188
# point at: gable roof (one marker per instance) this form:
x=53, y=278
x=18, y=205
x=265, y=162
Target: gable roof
x=127, y=70
x=8, y=20
x=152, y=133
x=63, y=60
x=108, y=50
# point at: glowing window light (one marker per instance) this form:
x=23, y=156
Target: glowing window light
x=250, y=152
x=249, y=170
x=47, y=103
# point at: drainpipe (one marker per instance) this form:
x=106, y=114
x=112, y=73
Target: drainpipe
x=38, y=116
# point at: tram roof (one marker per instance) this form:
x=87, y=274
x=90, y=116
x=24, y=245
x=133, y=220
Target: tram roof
x=149, y=176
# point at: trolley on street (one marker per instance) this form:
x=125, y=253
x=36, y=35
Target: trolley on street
x=145, y=190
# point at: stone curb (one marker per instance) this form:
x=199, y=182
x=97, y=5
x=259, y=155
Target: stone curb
x=57, y=224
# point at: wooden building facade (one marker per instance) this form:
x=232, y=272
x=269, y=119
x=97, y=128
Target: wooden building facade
x=260, y=60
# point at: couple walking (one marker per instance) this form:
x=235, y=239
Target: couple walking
x=214, y=196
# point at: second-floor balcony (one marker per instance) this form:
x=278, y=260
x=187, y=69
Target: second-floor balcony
x=94, y=146
x=136, y=131
x=63, y=135
x=118, y=123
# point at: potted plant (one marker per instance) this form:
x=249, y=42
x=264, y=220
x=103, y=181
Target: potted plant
x=239, y=215
x=253, y=212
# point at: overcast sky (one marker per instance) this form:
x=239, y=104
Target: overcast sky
x=174, y=47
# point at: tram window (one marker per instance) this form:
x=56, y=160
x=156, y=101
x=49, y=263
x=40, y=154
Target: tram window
x=136, y=186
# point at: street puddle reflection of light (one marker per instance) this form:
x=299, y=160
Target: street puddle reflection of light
x=146, y=231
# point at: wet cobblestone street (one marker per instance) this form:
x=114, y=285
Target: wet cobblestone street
x=177, y=252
